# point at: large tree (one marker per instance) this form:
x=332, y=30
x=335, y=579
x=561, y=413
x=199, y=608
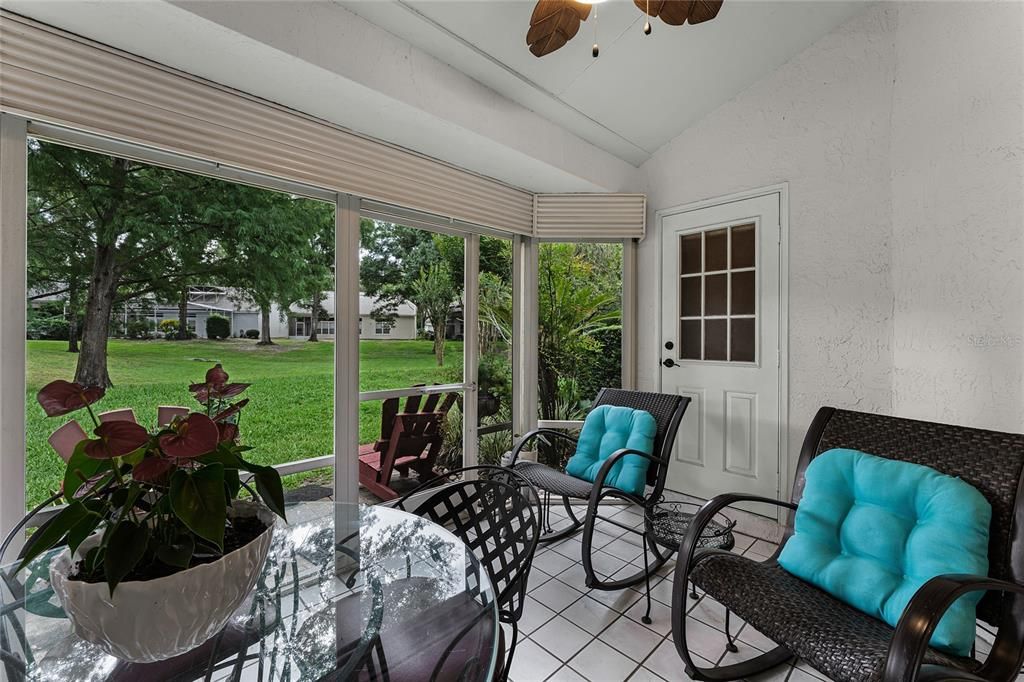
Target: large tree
x=122, y=231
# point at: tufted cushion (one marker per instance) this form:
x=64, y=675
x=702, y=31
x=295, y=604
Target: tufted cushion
x=871, y=531
x=606, y=430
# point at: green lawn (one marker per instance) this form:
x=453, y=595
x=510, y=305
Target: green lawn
x=290, y=415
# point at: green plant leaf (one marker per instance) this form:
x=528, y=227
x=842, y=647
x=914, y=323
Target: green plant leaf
x=53, y=531
x=81, y=530
x=178, y=553
x=80, y=468
x=125, y=545
x=198, y=499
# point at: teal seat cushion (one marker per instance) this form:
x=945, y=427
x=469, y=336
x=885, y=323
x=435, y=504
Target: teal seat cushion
x=606, y=430
x=871, y=531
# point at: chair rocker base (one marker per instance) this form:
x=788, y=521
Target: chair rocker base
x=743, y=669
x=562, y=533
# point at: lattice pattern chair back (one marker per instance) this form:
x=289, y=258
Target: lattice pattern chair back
x=667, y=415
x=991, y=461
x=498, y=521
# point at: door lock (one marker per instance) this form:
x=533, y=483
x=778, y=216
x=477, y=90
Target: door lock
x=669, y=345
x=669, y=362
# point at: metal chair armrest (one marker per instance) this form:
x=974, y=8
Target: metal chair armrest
x=925, y=610
x=533, y=434
x=688, y=547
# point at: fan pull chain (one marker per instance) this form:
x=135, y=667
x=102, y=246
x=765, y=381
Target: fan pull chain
x=647, y=23
x=597, y=50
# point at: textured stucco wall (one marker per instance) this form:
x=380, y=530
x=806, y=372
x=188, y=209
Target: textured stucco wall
x=958, y=213
x=901, y=135
x=820, y=123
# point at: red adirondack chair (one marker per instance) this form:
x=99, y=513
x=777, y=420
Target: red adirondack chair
x=410, y=440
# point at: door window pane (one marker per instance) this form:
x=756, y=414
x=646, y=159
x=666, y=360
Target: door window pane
x=718, y=295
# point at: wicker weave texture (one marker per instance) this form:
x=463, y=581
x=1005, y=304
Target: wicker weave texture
x=555, y=482
x=991, y=461
x=834, y=638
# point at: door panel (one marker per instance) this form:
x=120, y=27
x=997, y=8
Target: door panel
x=720, y=327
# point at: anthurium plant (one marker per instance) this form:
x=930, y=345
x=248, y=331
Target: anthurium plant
x=159, y=500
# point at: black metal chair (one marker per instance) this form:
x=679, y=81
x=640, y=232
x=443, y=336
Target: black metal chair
x=667, y=411
x=835, y=638
x=495, y=511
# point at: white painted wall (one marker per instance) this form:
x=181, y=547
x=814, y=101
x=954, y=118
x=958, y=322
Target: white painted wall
x=899, y=134
x=958, y=213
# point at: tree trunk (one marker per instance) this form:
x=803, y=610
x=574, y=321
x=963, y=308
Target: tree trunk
x=316, y=316
x=92, y=360
x=72, y=316
x=265, y=339
x=548, y=392
x=440, y=328
x=183, y=314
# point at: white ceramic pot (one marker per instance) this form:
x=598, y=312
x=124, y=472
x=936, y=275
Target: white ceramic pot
x=152, y=620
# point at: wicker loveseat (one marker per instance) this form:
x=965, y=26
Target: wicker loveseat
x=837, y=639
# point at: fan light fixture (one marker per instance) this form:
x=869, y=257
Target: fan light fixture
x=556, y=22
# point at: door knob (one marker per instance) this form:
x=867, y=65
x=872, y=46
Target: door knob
x=669, y=362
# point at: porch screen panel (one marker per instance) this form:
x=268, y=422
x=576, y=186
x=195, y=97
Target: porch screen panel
x=569, y=217
x=52, y=76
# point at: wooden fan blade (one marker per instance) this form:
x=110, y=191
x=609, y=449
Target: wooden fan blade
x=704, y=10
x=678, y=12
x=553, y=23
x=675, y=12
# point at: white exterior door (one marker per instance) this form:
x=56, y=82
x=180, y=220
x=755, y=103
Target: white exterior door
x=720, y=345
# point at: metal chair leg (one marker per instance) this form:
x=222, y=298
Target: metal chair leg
x=730, y=642
x=647, y=580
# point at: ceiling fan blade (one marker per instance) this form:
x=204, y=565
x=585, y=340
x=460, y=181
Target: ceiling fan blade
x=553, y=23
x=675, y=12
x=704, y=10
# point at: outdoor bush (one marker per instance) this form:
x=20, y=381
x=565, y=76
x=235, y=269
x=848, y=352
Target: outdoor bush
x=252, y=333
x=49, y=328
x=139, y=329
x=168, y=327
x=218, y=327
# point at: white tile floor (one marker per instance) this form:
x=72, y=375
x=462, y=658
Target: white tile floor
x=570, y=633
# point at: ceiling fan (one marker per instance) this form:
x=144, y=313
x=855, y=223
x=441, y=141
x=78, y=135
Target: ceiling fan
x=555, y=22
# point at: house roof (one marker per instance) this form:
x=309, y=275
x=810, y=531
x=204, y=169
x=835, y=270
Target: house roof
x=366, y=306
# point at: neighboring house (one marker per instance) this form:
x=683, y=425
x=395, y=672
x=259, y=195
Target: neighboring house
x=401, y=326
x=224, y=301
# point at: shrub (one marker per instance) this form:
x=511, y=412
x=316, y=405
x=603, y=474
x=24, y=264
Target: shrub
x=49, y=328
x=218, y=327
x=252, y=333
x=168, y=327
x=139, y=329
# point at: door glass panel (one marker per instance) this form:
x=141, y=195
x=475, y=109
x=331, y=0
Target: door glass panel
x=690, y=297
x=718, y=295
x=742, y=293
x=743, y=244
x=716, y=255
x=690, y=255
x=690, y=342
x=741, y=339
x=715, y=339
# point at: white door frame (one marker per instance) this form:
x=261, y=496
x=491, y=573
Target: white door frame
x=782, y=189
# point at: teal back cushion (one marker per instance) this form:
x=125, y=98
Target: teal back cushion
x=607, y=429
x=870, y=531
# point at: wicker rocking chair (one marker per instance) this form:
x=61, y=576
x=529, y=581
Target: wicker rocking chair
x=835, y=638
x=667, y=411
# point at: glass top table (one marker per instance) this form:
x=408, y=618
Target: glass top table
x=348, y=592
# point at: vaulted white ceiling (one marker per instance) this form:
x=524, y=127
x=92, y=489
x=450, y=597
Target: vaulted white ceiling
x=643, y=90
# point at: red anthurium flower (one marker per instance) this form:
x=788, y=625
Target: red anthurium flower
x=90, y=484
x=216, y=376
x=61, y=397
x=229, y=390
x=231, y=411
x=228, y=432
x=191, y=437
x=116, y=439
x=152, y=469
